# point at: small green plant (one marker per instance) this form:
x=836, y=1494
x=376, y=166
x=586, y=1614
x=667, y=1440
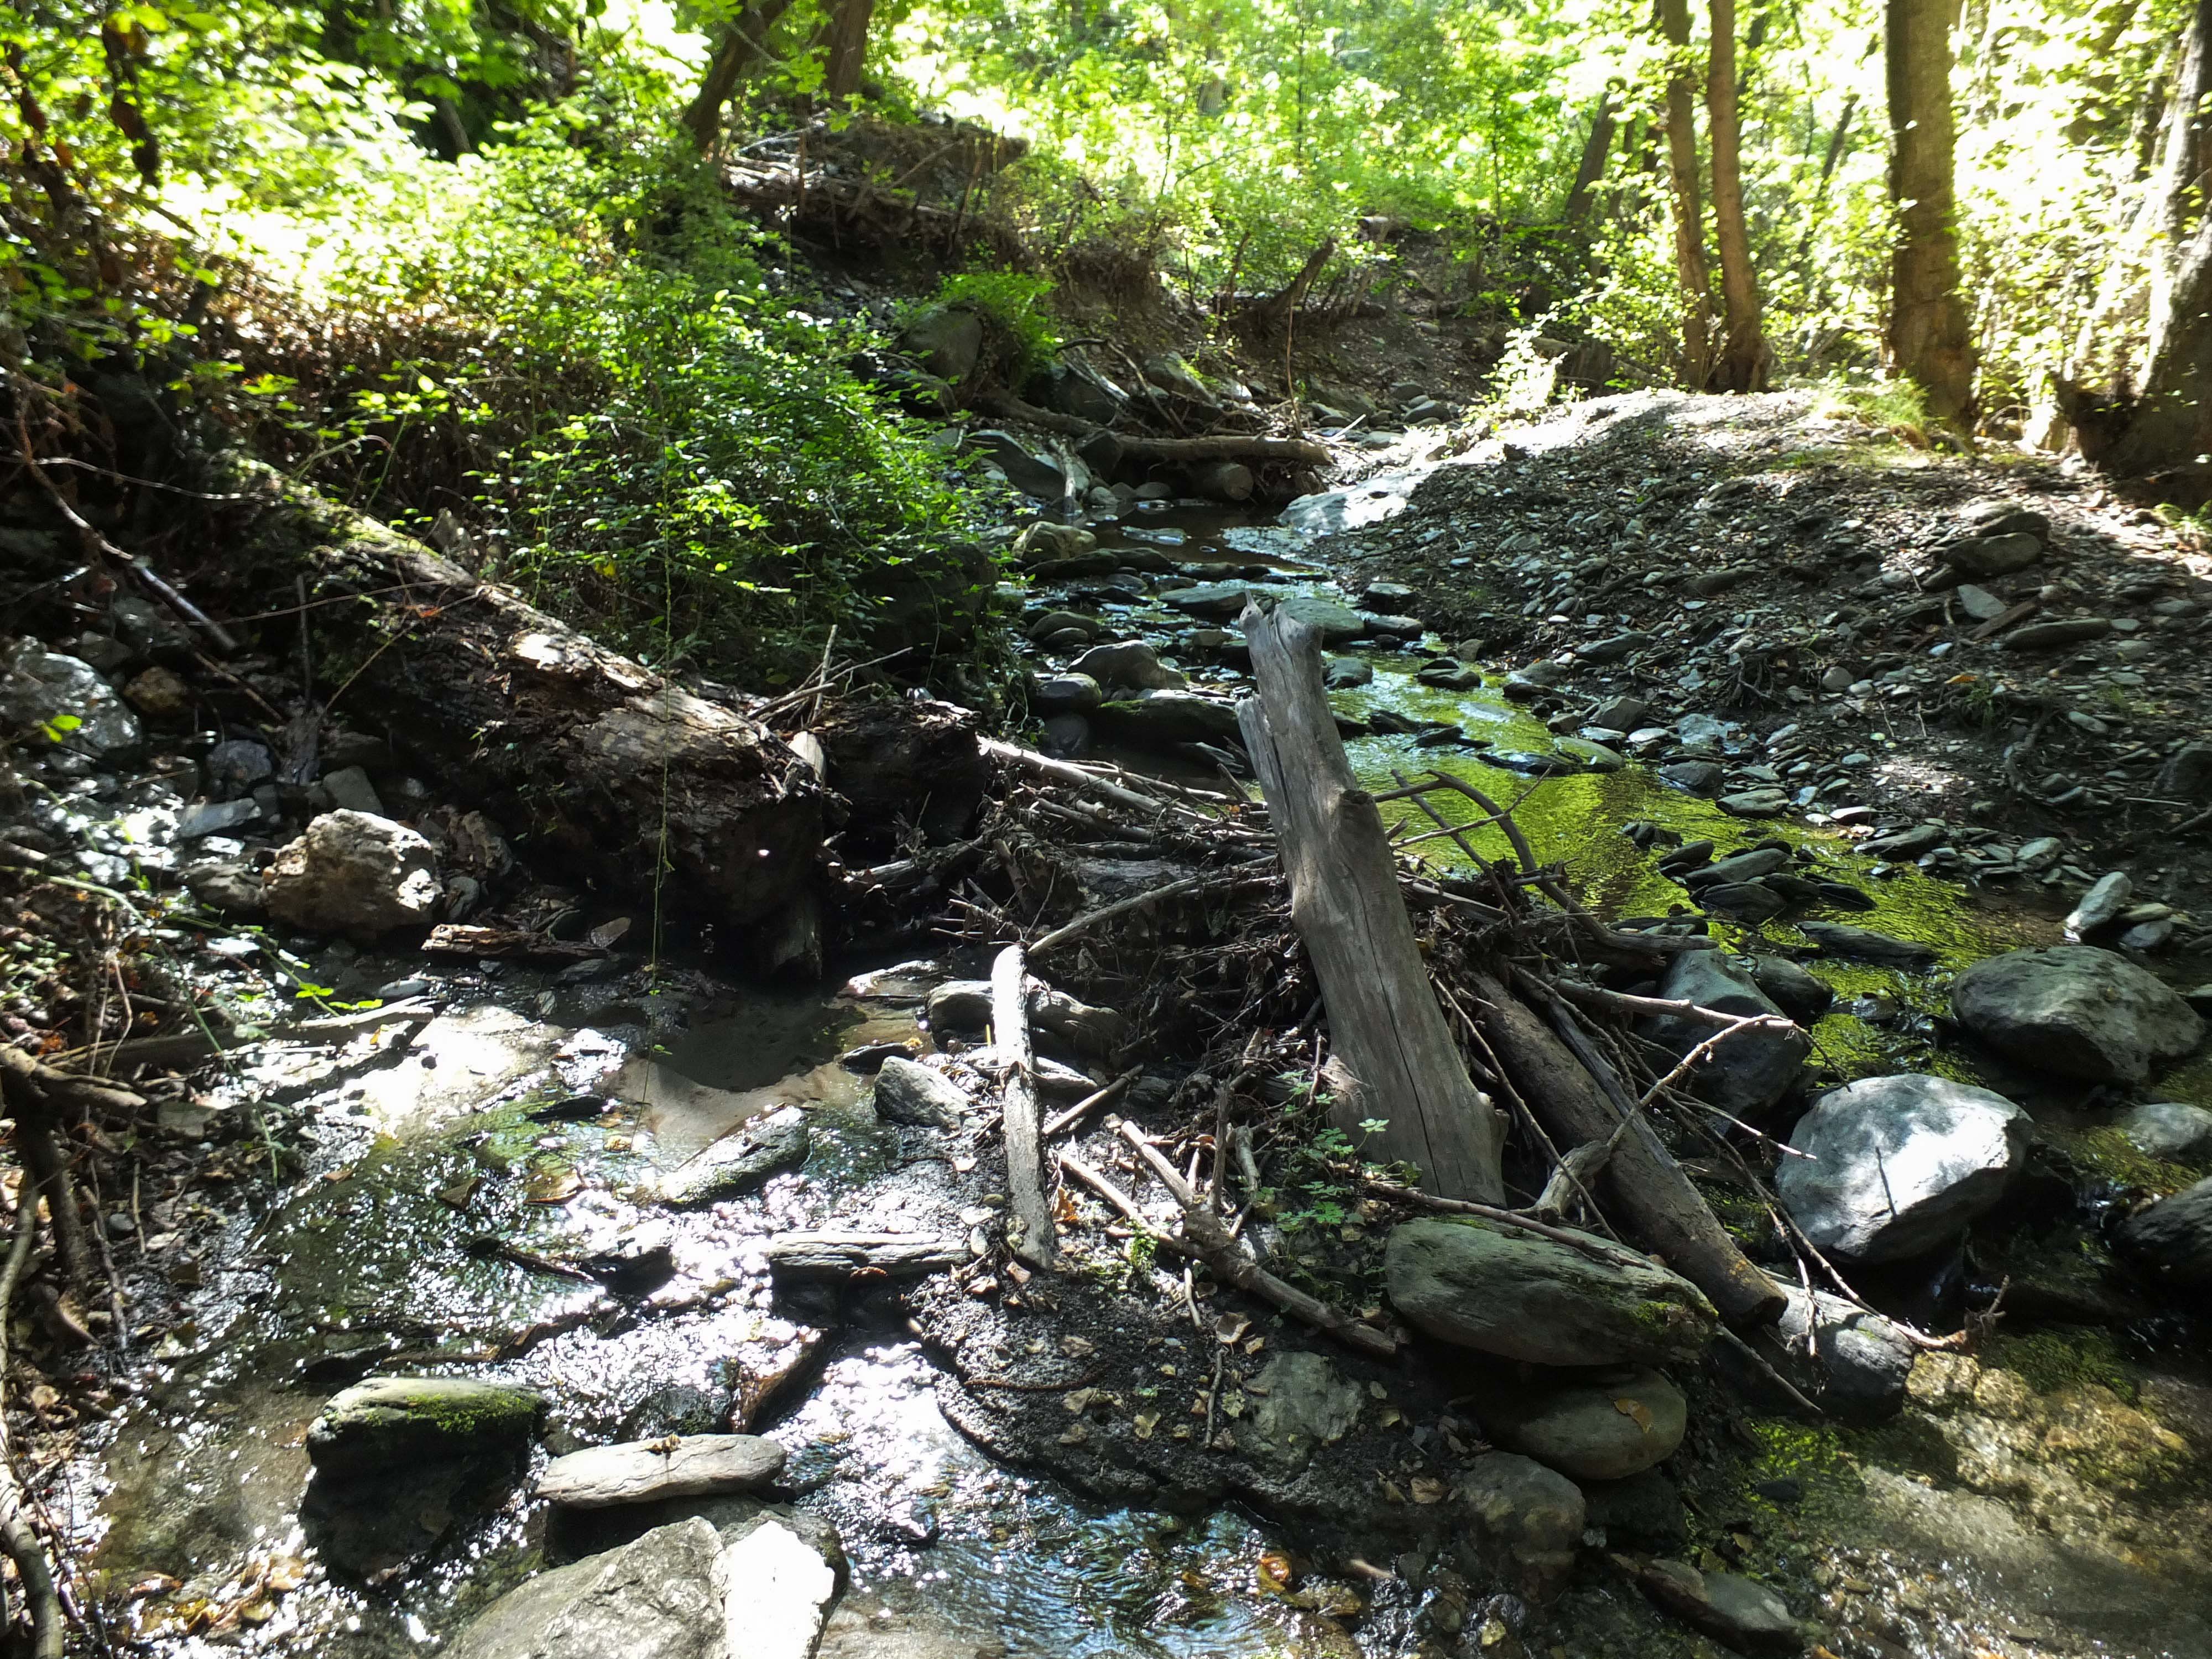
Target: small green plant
x=1010, y=305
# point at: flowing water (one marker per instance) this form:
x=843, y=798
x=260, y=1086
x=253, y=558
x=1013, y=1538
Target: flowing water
x=419, y=1144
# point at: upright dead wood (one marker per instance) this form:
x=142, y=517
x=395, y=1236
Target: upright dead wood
x=1383, y=1021
x=1009, y=1035
x=1643, y=1186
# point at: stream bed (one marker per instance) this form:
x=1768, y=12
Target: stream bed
x=2046, y=1498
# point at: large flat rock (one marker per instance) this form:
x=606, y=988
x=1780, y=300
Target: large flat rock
x=642, y=1471
x=1524, y=1297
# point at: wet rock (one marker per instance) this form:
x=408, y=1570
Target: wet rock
x=1524, y=1523
x=229, y=886
x=1800, y=994
x=2173, y=1239
x=1600, y=1428
x=1169, y=717
x=1867, y=945
x=204, y=818
x=1343, y=673
x=2051, y=635
x=2101, y=906
x=1526, y=1298
x=1034, y=471
x=1747, y=899
x=685, y=1590
x=1449, y=676
x=1595, y=756
x=1754, y=803
x=2168, y=1129
x=1741, y=1611
x=1049, y=624
x=912, y=1094
x=1906, y=843
x=1752, y=1069
x=353, y=873
x=50, y=701
x=1307, y=1402
x=373, y=1426
x=1336, y=623
x=1216, y=599
x=1692, y=777
x=740, y=1161
x=2077, y=1011
x=1382, y=625
x=1738, y=867
x=645, y=1471
x=1897, y=1166
x=1065, y=693
x=1130, y=663
x=1645, y=1511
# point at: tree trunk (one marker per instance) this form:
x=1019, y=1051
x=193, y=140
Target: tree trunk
x=1743, y=358
x=848, y=47
x=1643, y=1185
x=600, y=768
x=1930, y=339
x=1689, y=266
x=742, y=48
x=1596, y=150
x=1384, y=1025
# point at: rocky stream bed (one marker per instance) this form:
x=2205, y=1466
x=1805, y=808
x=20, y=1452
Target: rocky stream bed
x=596, y=1193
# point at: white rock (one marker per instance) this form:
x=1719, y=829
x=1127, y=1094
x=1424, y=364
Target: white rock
x=639, y=1470
x=355, y=873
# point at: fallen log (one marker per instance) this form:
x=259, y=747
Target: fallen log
x=608, y=771
x=1641, y=1183
x=1222, y=447
x=1384, y=1025
x=1010, y=1035
x=850, y=1255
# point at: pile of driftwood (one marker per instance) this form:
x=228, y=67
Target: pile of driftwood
x=1480, y=1016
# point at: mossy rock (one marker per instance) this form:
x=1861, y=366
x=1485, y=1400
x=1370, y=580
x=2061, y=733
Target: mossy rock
x=374, y=1426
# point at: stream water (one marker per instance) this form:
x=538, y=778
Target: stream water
x=419, y=1140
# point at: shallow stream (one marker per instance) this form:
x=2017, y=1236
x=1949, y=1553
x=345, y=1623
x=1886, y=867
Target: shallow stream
x=423, y=1138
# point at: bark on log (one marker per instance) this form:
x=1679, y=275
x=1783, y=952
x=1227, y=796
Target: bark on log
x=591, y=759
x=1641, y=1183
x=1225, y=447
x=1010, y=1035
x=843, y=1255
x=1384, y=1023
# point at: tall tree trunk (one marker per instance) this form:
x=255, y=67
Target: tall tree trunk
x=1743, y=358
x=1689, y=266
x=742, y=48
x=2170, y=431
x=1930, y=342
x=1595, y=149
x=848, y=47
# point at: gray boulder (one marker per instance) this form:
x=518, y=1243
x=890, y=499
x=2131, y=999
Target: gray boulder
x=1524, y=1523
x=2169, y=1129
x=1751, y=1070
x=1219, y=600
x=1602, y=1428
x=2172, y=1238
x=644, y=1471
x=1170, y=717
x=1130, y=663
x=353, y=873
x=1065, y=693
x=1526, y=1298
x=2100, y=907
x=1343, y=673
x=48, y=700
x=1034, y=471
x=2077, y=1011
x=1894, y=1166
x=375, y=1426
x=682, y=1591
x=913, y=1094
x=740, y=1160
x=1803, y=994
x=948, y=342
x=1336, y=623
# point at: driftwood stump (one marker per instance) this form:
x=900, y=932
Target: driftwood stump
x=1384, y=1025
